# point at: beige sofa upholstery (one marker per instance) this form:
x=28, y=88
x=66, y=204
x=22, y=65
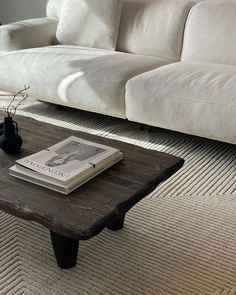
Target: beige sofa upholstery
x=28, y=34
x=198, y=94
x=147, y=27
x=174, y=66
x=85, y=78
x=210, y=33
x=89, y=78
x=195, y=98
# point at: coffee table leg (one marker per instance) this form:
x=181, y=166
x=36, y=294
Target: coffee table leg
x=65, y=250
x=117, y=224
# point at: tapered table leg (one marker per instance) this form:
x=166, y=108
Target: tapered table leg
x=117, y=224
x=65, y=250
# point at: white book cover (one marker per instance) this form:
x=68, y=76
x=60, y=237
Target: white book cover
x=69, y=158
x=45, y=181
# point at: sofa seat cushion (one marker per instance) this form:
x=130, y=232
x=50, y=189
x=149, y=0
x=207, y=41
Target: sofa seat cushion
x=194, y=98
x=85, y=78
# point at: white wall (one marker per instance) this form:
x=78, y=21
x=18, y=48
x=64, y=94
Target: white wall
x=14, y=10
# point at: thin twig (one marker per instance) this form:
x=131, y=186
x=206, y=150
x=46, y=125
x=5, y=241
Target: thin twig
x=24, y=97
x=11, y=109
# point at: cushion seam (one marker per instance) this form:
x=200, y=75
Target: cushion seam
x=195, y=100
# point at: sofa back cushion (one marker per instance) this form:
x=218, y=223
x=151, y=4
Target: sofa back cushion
x=149, y=27
x=153, y=27
x=210, y=34
x=54, y=8
x=89, y=23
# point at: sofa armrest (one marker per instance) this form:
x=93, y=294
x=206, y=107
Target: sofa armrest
x=28, y=34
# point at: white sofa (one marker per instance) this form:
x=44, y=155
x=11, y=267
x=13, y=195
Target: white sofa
x=198, y=94
x=174, y=66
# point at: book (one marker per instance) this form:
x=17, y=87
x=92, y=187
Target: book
x=66, y=165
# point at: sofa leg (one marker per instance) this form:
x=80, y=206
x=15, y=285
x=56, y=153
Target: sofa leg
x=142, y=127
x=1, y=128
x=150, y=129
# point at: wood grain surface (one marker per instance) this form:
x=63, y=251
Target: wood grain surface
x=95, y=205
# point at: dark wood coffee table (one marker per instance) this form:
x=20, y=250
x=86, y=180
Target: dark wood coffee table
x=100, y=203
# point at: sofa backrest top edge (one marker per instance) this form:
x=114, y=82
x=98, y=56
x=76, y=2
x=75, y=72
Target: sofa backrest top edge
x=144, y=30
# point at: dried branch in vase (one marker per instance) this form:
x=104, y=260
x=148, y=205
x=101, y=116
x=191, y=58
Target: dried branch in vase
x=17, y=100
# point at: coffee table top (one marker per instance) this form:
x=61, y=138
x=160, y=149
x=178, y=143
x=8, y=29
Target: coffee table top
x=90, y=208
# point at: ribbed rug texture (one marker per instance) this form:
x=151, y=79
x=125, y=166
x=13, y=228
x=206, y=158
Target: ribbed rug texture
x=181, y=239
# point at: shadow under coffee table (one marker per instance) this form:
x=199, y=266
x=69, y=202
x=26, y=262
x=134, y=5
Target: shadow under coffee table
x=101, y=202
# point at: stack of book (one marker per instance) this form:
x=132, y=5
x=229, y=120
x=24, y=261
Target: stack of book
x=66, y=165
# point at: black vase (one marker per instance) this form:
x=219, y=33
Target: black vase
x=10, y=141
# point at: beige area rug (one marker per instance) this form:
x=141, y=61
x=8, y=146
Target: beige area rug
x=181, y=239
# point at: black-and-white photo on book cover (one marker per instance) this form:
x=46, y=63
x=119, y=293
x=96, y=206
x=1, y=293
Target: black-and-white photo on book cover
x=71, y=151
x=69, y=158
x=67, y=164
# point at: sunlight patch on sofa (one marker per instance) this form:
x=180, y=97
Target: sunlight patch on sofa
x=66, y=82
